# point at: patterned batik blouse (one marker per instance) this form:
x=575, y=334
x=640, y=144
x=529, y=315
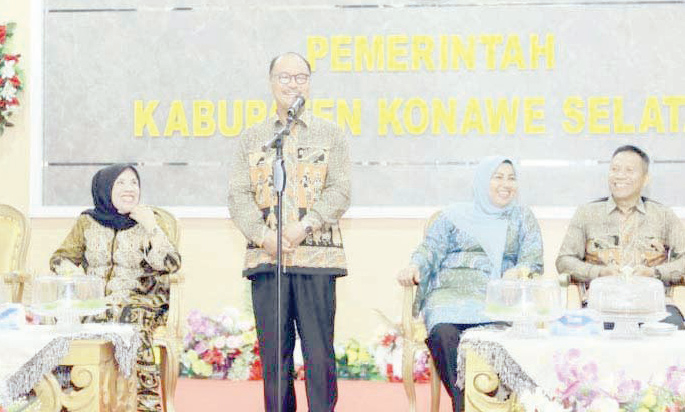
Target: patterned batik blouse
x=135, y=265
x=124, y=258
x=455, y=269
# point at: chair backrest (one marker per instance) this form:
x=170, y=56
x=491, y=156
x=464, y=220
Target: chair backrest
x=14, y=243
x=170, y=224
x=430, y=221
x=14, y=239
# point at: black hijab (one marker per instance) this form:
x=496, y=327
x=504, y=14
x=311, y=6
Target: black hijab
x=105, y=212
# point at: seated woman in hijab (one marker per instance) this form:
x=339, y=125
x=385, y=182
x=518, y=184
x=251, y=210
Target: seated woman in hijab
x=465, y=246
x=127, y=245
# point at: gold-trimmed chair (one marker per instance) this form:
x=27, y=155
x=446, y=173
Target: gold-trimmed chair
x=573, y=290
x=169, y=338
x=14, y=243
x=413, y=339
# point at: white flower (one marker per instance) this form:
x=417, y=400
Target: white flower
x=604, y=405
x=219, y=342
x=396, y=360
x=382, y=356
x=233, y=342
x=8, y=91
x=7, y=70
x=240, y=370
x=609, y=383
x=538, y=401
x=245, y=324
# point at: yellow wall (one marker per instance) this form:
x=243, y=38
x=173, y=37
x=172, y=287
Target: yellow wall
x=212, y=249
x=15, y=142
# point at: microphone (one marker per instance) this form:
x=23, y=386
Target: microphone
x=296, y=107
x=293, y=112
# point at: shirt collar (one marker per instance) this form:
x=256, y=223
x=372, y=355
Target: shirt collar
x=304, y=119
x=611, y=205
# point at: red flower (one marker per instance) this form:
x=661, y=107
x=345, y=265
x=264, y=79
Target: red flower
x=389, y=372
x=14, y=102
x=423, y=376
x=388, y=339
x=213, y=357
x=256, y=370
x=15, y=82
x=12, y=58
x=3, y=36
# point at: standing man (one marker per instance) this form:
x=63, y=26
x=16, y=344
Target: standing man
x=626, y=229
x=310, y=265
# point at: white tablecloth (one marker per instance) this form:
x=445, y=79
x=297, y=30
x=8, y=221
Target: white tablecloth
x=526, y=364
x=29, y=353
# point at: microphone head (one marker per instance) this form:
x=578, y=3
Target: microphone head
x=297, y=105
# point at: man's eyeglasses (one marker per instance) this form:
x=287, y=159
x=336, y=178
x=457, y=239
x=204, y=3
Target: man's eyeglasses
x=285, y=78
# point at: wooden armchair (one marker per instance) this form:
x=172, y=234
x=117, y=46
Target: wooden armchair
x=414, y=338
x=169, y=338
x=574, y=291
x=14, y=242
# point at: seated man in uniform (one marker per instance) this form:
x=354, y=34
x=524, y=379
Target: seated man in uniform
x=626, y=229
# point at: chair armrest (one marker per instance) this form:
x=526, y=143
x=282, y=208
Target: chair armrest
x=176, y=281
x=407, y=309
x=17, y=281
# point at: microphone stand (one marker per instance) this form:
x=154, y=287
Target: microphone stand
x=279, y=176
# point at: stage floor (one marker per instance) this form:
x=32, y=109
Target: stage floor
x=353, y=396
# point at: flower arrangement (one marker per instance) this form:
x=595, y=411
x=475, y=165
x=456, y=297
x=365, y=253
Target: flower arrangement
x=222, y=347
x=225, y=347
x=10, y=78
x=387, y=353
x=353, y=361
x=582, y=390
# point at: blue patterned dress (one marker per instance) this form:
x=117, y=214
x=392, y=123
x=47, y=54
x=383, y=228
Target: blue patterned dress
x=455, y=269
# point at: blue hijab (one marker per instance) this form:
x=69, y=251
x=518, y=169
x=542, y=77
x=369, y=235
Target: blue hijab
x=481, y=219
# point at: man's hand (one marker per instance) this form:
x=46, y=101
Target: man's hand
x=409, y=276
x=644, y=271
x=144, y=216
x=295, y=233
x=610, y=270
x=271, y=247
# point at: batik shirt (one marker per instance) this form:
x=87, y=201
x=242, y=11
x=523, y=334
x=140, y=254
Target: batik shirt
x=650, y=234
x=317, y=193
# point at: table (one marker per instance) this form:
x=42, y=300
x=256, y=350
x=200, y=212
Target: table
x=549, y=365
x=100, y=358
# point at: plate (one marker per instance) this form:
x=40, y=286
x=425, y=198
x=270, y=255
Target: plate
x=658, y=328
